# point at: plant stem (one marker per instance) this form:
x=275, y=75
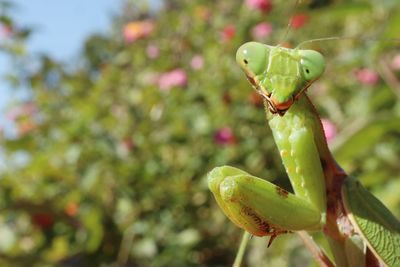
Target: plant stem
x=242, y=248
x=319, y=256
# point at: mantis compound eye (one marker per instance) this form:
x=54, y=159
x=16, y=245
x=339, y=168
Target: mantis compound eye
x=252, y=57
x=312, y=63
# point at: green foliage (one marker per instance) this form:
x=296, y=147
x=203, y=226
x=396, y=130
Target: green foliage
x=106, y=163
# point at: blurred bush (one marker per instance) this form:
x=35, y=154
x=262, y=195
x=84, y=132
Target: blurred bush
x=105, y=163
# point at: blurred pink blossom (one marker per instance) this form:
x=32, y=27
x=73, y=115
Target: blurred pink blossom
x=176, y=77
x=298, y=21
x=228, y=32
x=136, y=30
x=224, y=136
x=197, y=62
x=367, y=76
x=262, y=5
x=152, y=51
x=19, y=111
x=396, y=62
x=6, y=31
x=261, y=30
x=329, y=129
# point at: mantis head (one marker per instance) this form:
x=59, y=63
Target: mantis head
x=279, y=74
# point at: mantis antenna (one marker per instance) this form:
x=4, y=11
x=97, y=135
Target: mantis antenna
x=342, y=38
x=289, y=25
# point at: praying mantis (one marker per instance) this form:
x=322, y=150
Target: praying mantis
x=360, y=230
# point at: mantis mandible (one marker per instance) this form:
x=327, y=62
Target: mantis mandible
x=360, y=230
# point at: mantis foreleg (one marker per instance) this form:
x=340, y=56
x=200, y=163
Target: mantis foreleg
x=259, y=206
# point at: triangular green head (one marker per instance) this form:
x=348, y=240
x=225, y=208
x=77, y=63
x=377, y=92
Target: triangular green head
x=279, y=74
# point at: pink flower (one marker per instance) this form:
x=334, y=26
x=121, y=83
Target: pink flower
x=367, y=76
x=329, y=129
x=262, y=5
x=152, y=51
x=298, y=21
x=6, y=31
x=176, y=77
x=228, y=33
x=396, y=62
x=23, y=110
x=261, y=30
x=224, y=136
x=197, y=62
x=137, y=30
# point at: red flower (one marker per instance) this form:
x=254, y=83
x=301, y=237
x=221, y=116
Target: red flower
x=299, y=20
x=262, y=5
x=224, y=136
x=228, y=33
x=43, y=219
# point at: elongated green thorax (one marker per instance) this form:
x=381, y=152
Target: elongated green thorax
x=300, y=149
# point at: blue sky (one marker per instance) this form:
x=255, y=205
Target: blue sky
x=60, y=29
x=61, y=26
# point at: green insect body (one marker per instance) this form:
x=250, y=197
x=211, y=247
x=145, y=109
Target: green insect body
x=300, y=154
x=324, y=199
x=373, y=219
x=295, y=142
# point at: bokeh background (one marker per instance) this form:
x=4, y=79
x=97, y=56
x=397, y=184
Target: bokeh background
x=104, y=157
